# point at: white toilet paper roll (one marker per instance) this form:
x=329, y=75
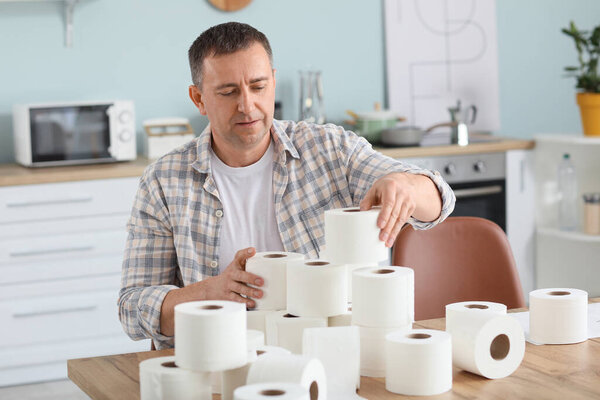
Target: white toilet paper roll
x=210, y=335
x=472, y=307
x=316, y=288
x=339, y=350
x=558, y=316
x=160, y=378
x=350, y=268
x=272, y=267
x=256, y=320
x=270, y=391
x=352, y=236
x=307, y=372
x=254, y=339
x=234, y=378
x=383, y=297
x=344, y=319
x=487, y=344
x=372, y=349
x=418, y=362
x=285, y=330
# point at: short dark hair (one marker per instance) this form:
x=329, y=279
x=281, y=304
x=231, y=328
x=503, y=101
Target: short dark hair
x=222, y=39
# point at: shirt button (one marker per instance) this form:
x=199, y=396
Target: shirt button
x=214, y=264
x=219, y=213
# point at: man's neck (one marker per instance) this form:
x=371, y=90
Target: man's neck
x=235, y=157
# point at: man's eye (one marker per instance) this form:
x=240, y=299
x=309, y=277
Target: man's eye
x=226, y=93
x=259, y=87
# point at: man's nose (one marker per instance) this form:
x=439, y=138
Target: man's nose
x=246, y=102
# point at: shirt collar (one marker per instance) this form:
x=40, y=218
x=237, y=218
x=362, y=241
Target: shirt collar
x=278, y=134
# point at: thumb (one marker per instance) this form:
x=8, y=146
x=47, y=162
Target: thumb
x=244, y=254
x=368, y=201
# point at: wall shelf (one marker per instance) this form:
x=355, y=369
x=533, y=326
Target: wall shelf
x=566, y=235
x=68, y=5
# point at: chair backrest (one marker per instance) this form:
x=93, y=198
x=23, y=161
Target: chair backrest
x=461, y=259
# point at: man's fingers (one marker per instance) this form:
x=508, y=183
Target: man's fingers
x=386, y=232
x=368, y=200
x=247, y=277
x=405, y=214
x=245, y=290
x=239, y=299
x=388, y=201
x=242, y=255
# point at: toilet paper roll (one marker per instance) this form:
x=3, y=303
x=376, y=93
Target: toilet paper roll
x=487, y=344
x=352, y=236
x=344, y=319
x=339, y=350
x=210, y=335
x=234, y=378
x=316, y=288
x=372, y=349
x=269, y=391
x=558, y=316
x=256, y=320
x=383, y=297
x=254, y=339
x=307, y=372
x=472, y=307
x=272, y=267
x=285, y=330
x=418, y=362
x=350, y=268
x=161, y=378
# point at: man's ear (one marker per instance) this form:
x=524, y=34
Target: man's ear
x=196, y=97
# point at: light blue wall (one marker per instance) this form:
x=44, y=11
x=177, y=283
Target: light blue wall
x=137, y=49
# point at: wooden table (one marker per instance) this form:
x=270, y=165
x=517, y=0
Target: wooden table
x=547, y=372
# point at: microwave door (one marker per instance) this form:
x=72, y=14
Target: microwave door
x=74, y=133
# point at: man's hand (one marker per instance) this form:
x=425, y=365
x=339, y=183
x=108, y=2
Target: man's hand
x=402, y=195
x=233, y=282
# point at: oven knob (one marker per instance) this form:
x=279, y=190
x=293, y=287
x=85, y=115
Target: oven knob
x=125, y=117
x=479, y=166
x=125, y=136
x=450, y=169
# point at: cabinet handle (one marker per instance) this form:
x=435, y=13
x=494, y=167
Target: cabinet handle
x=30, y=314
x=29, y=253
x=482, y=191
x=84, y=199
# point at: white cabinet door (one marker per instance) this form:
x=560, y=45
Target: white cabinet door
x=520, y=214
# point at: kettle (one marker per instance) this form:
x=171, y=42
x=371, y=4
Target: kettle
x=460, y=132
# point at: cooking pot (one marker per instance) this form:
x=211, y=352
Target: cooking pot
x=407, y=135
x=370, y=124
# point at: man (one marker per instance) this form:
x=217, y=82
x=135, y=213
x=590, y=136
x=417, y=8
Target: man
x=249, y=182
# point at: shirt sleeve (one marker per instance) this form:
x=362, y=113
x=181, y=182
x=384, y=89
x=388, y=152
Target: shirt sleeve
x=150, y=267
x=365, y=166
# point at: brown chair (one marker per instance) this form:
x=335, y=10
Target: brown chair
x=461, y=259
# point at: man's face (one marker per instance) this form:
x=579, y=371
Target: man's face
x=237, y=95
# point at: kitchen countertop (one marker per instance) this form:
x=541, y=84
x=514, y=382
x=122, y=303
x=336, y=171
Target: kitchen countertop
x=13, y=174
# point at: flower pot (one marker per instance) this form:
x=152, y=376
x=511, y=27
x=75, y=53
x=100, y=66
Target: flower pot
x=589, y=106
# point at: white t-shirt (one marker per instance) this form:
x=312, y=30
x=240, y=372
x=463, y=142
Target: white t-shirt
x=248, y=207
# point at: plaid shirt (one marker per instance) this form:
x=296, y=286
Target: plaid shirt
x=176, y=217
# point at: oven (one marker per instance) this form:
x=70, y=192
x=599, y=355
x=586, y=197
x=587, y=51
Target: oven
x=478, y=181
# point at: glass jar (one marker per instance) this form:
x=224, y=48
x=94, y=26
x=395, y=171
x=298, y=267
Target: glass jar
x=591, y=213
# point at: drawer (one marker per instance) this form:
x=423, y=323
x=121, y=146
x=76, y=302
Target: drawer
x=68, y=199
x=42, y=362
x=64, y=225
x=59, y=318
x=81, y=246
x=51, y=271
x=52, y=287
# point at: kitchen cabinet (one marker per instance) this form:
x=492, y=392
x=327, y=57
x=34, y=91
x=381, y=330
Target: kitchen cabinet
x=61, y=248
x=565, y=258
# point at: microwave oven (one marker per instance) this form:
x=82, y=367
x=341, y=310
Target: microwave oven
x=74, y=133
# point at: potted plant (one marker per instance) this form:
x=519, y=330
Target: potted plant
x=588, y=81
